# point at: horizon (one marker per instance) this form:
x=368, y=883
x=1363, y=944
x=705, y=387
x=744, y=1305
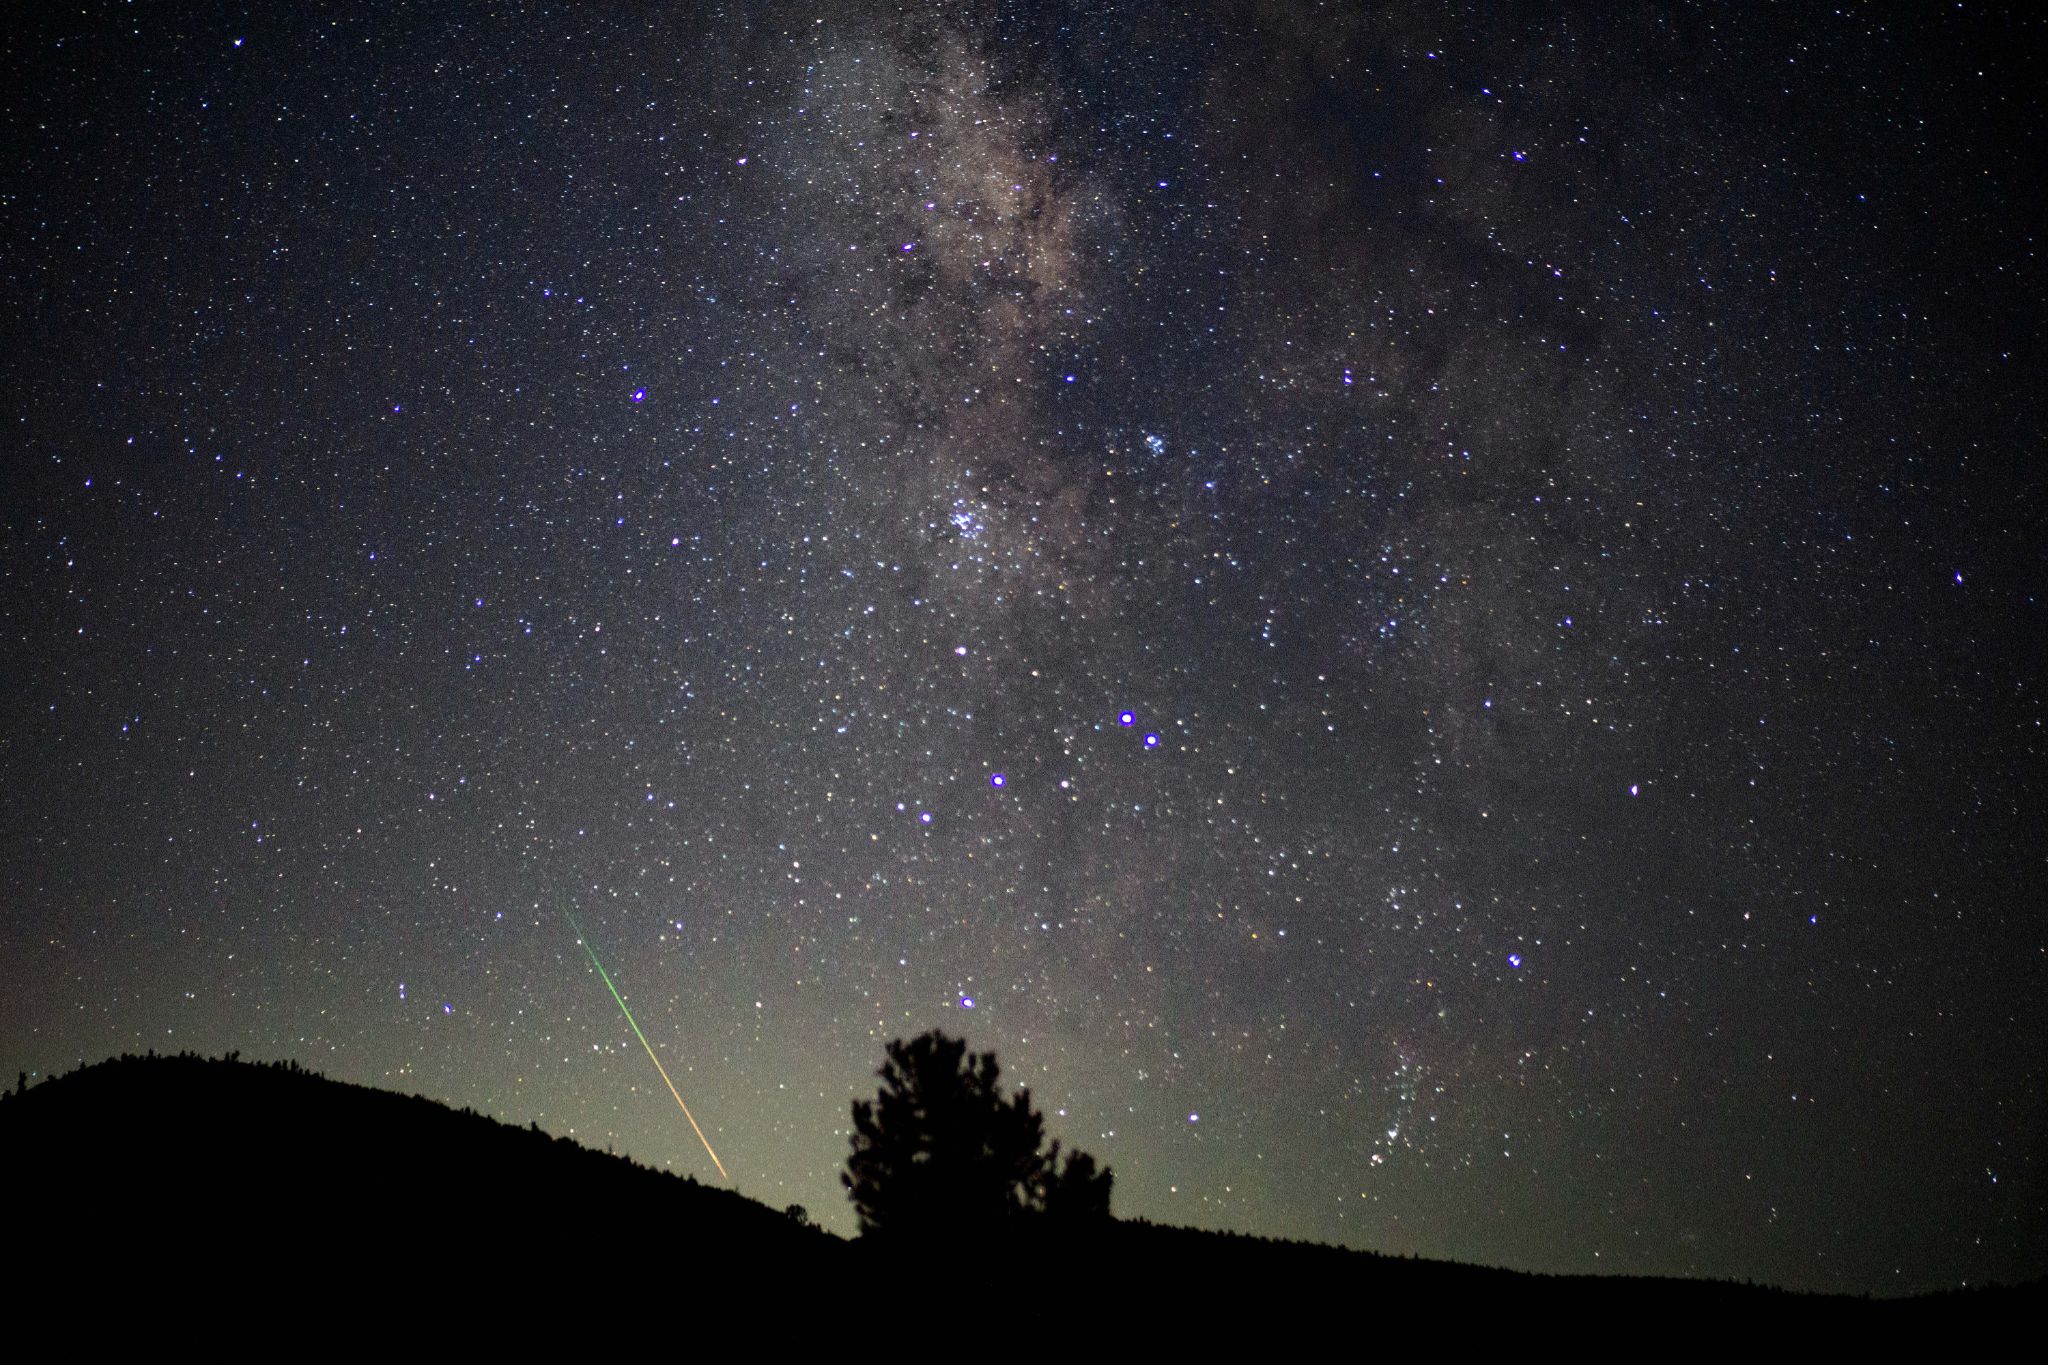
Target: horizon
x=802, y=1217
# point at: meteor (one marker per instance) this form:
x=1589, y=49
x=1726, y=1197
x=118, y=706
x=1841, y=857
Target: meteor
x=606, y=976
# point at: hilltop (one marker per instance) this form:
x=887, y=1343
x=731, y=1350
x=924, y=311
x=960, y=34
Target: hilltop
x=269, y=1179
x=190, y=1160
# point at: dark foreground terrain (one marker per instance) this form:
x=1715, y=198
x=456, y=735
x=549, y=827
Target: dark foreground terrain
x=312, y=1205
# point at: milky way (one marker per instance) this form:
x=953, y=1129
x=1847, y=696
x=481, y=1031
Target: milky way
x=1426, y=620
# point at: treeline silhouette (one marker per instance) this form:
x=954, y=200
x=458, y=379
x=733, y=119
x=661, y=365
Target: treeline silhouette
x=271, y=1177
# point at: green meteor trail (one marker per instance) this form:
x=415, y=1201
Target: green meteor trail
x=606, y=977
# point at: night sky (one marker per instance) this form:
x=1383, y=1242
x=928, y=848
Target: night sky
x=1428, y=619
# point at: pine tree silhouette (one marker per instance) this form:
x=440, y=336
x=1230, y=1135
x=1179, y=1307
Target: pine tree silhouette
x=941, y=1148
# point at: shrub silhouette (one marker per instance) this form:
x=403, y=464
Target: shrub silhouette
x=941, y=1148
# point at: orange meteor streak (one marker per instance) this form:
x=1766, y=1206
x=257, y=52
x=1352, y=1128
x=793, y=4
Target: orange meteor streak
x=606, y=976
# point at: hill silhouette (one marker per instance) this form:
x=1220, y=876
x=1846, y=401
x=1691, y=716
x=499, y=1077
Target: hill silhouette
x=190, y=1160
x=266, y=1179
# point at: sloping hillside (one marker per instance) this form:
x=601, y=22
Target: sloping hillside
x=293, y=1193
x=184, y=1159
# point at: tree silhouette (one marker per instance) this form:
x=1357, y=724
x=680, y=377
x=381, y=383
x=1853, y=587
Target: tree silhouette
x=941, y=1148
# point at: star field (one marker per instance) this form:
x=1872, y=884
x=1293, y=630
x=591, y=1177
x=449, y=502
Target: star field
x=1427, y=620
